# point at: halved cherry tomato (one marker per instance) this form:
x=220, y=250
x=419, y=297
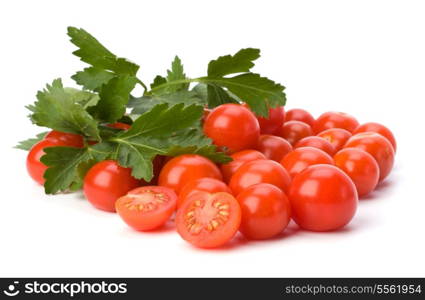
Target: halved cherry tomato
x=273, y=122
x=67, y=139
x=233, y=126
x=239, y=158
x=208, y=220
x=361, y=167
x=377, y=146
x=181, y=169
x=260, y=171
x=316, y=142
x=298, y=114
x=266, y=211
x=273, y=147
x=147, y=207
x=119, y=125
x=323, y=198
x=293, y=131
x=378, y=128
x=210, y=185
x=301, y=158
x=336, y=136
x=334, y=119
x=105, y=182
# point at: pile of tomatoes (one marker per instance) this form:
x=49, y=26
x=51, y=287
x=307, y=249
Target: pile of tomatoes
x=287, y=166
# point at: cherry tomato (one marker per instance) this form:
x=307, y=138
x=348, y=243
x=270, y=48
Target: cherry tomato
x=68, y=139
x=147, y=208
x=181, y=169
x=260, y=171
x=297, y=114
x=105, y=182
x=323, y=198
x=377, y=146
x=157, y=164
x=273, y=122
x=232, y=126
x=333, y=119
x=273, y=147
x=239, y=158
x=210, y=185
x=266, y=211
x=301, y=158
x=336, y=136
x=208, y=220
x=35, y=167
x=293, y=131
x=361, y=167
x=378, y=128
x=316, y=142
x=119, y=125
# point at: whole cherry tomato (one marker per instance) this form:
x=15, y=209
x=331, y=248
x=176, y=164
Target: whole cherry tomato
x=266, y=211
x=323, y=198
x=233, y=126
x=273, y=122
x=378, y=128
x=67, y=139
x=298, y=114
x=119, y=125
x=336, y=136
x=333, y=119
x=273, y=147
x=181, y=169
x=239, y=158
x=377, y=146
x=293, y=131
x=210, y=185
x=361, y=167
x=316, y=142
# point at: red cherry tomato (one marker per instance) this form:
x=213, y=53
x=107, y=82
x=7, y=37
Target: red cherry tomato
x=35, y=167
x=297, y=114
x=336, y=136
x=232, y=126
x=157, y=163
x=260, y=171
x=210, y=185
x=377, y=146
x=323, y=198
x=316, y=142
x=361, y=167
x=273, y=122
x=147, y=208
x=301, y=158
x=333, y=119
x=208, y=220
x=105, y=182
x=119, y=125
x=378, y=128
x=273, y=147
x=266, y=211
x=67, y=139
x=293, y=131
x=239, y=158
x=184, y=168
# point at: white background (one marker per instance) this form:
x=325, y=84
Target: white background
x=366, y=58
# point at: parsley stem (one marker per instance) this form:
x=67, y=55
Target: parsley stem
x=142, y=84
x=175, y=82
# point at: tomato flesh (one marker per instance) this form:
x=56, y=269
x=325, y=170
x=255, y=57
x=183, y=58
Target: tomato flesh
x=210, y=185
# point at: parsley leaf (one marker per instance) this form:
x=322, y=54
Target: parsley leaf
x=92, y=78
x=27, y=144
x=242, y=61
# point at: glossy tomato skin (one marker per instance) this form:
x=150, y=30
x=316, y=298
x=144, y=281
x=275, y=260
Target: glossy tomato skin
x=323, y=198
x=119, y=125
x=293, y=131
x=146, y=208
x=68, y=139
x=336, y=136
x=209, y=185
x=260, y=171
x=273, y=122
x=378, y=128
x=35, y=167
x=334, y=119
x=208, y=220
x=239, y=158
x=361, y=167
x=184, y=168
x=377, y=146
x=266, y=211
x=105, y=182
x=298, y=114
x=303, y=157
x=273, y=147
x=316, y=142
x=233, y=126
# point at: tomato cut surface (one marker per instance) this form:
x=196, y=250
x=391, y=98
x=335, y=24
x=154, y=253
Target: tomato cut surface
x=147, y=208
x=210, y=185
x=208, y=220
